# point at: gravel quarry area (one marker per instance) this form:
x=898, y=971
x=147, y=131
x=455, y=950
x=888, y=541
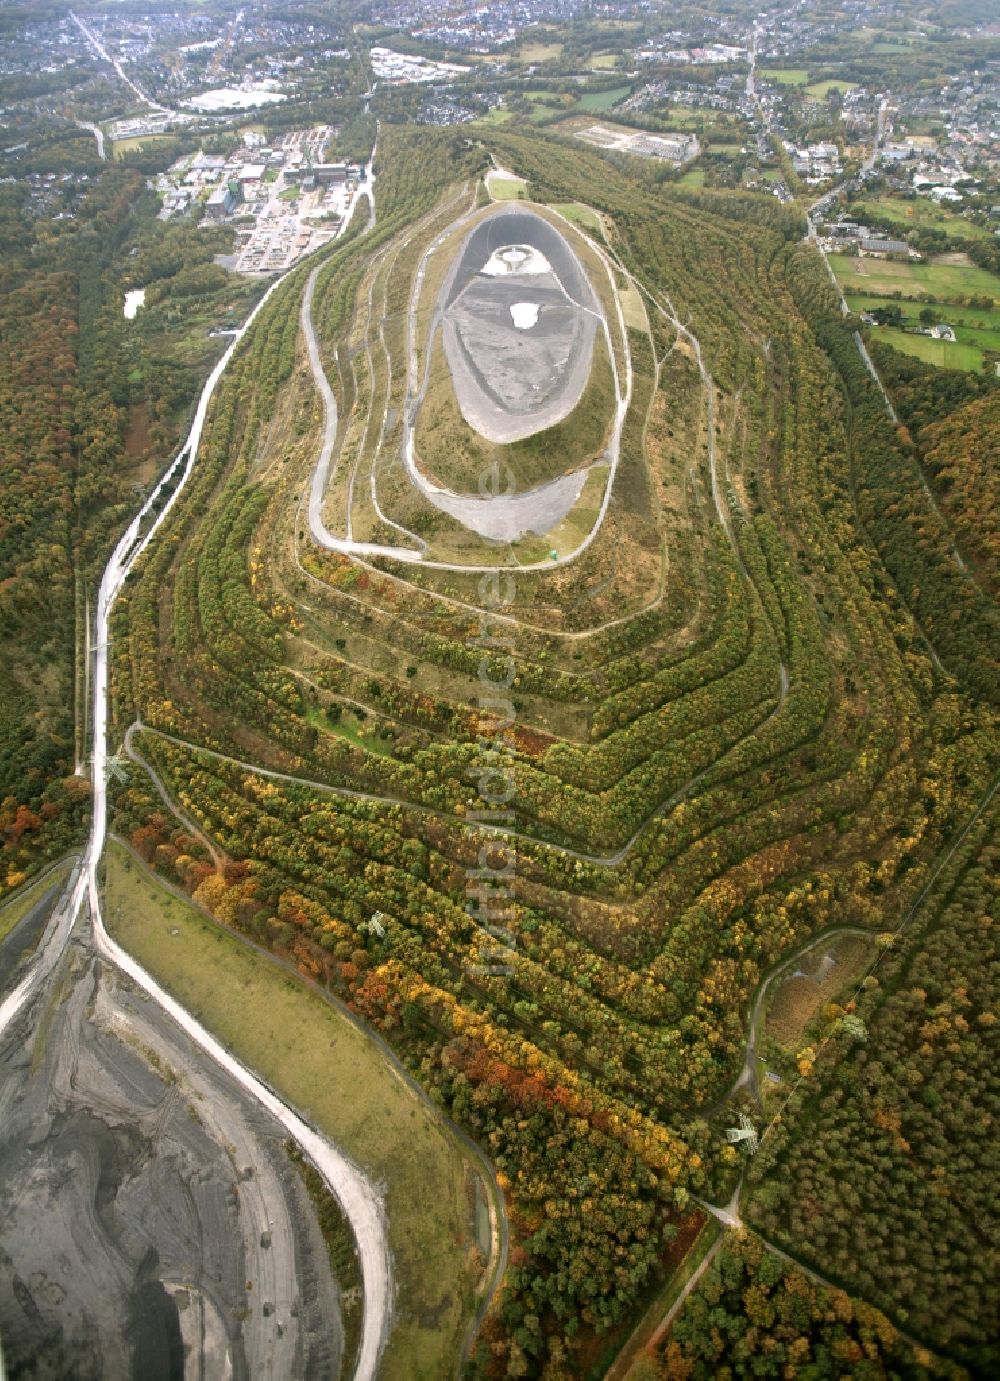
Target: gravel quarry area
x=518, y=317
x=153, y=1225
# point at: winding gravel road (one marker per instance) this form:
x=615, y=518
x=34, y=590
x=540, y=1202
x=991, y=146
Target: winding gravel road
x=497, y=517
x=508, y=517
x=321, y=474
x=611, y=860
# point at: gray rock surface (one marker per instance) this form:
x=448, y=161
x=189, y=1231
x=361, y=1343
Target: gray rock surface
x=138, y=1187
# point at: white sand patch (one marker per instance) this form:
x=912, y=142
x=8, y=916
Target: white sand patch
x=524, y=314
x=234, y=98
x=516, y=259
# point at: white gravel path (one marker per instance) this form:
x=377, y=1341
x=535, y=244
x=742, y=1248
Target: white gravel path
x=358, y=1198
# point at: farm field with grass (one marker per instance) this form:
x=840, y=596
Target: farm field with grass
x=954, y=354
x=820, y=90
x=983, y=319
x=976, y=330
x=120, y=147
x=907, y=212
x=600, y=101
x=785, y=76
x=677, y=116
x=539, y=52
x=947, y=282
x=496, y=115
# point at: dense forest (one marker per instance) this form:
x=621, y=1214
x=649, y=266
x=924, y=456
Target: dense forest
x=785, y=741
x=759, y=710
x=881, y=1173
x=91, y=408
x=961, y=455
x=953, y=421
x=755, y=1314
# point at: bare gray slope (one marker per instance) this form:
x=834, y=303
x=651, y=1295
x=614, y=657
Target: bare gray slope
x=148, y=1205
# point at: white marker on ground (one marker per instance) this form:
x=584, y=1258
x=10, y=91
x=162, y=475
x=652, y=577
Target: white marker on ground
x=524, y=314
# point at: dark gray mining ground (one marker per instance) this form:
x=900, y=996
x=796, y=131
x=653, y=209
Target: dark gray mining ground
x=18, y=946
x=151, y=1224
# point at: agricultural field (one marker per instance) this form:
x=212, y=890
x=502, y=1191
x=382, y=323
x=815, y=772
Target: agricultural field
x=597, y=102
x=906, y=285
x=539, y=52
x=982, y=319
x=785, y=76
x=945, y=283
x=977, y=328
x=120, y=147
x=546, y=806
x=820, y=90
x=497, y=115
x=677, y=116
x=956, y=354
x=909, y=212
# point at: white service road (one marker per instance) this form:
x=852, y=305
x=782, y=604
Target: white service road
x=361, y=1203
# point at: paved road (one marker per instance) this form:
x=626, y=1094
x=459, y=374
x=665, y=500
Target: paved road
x=103, y=53
x=96, y=131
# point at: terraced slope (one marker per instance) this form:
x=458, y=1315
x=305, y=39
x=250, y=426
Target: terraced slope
x=547, y=827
